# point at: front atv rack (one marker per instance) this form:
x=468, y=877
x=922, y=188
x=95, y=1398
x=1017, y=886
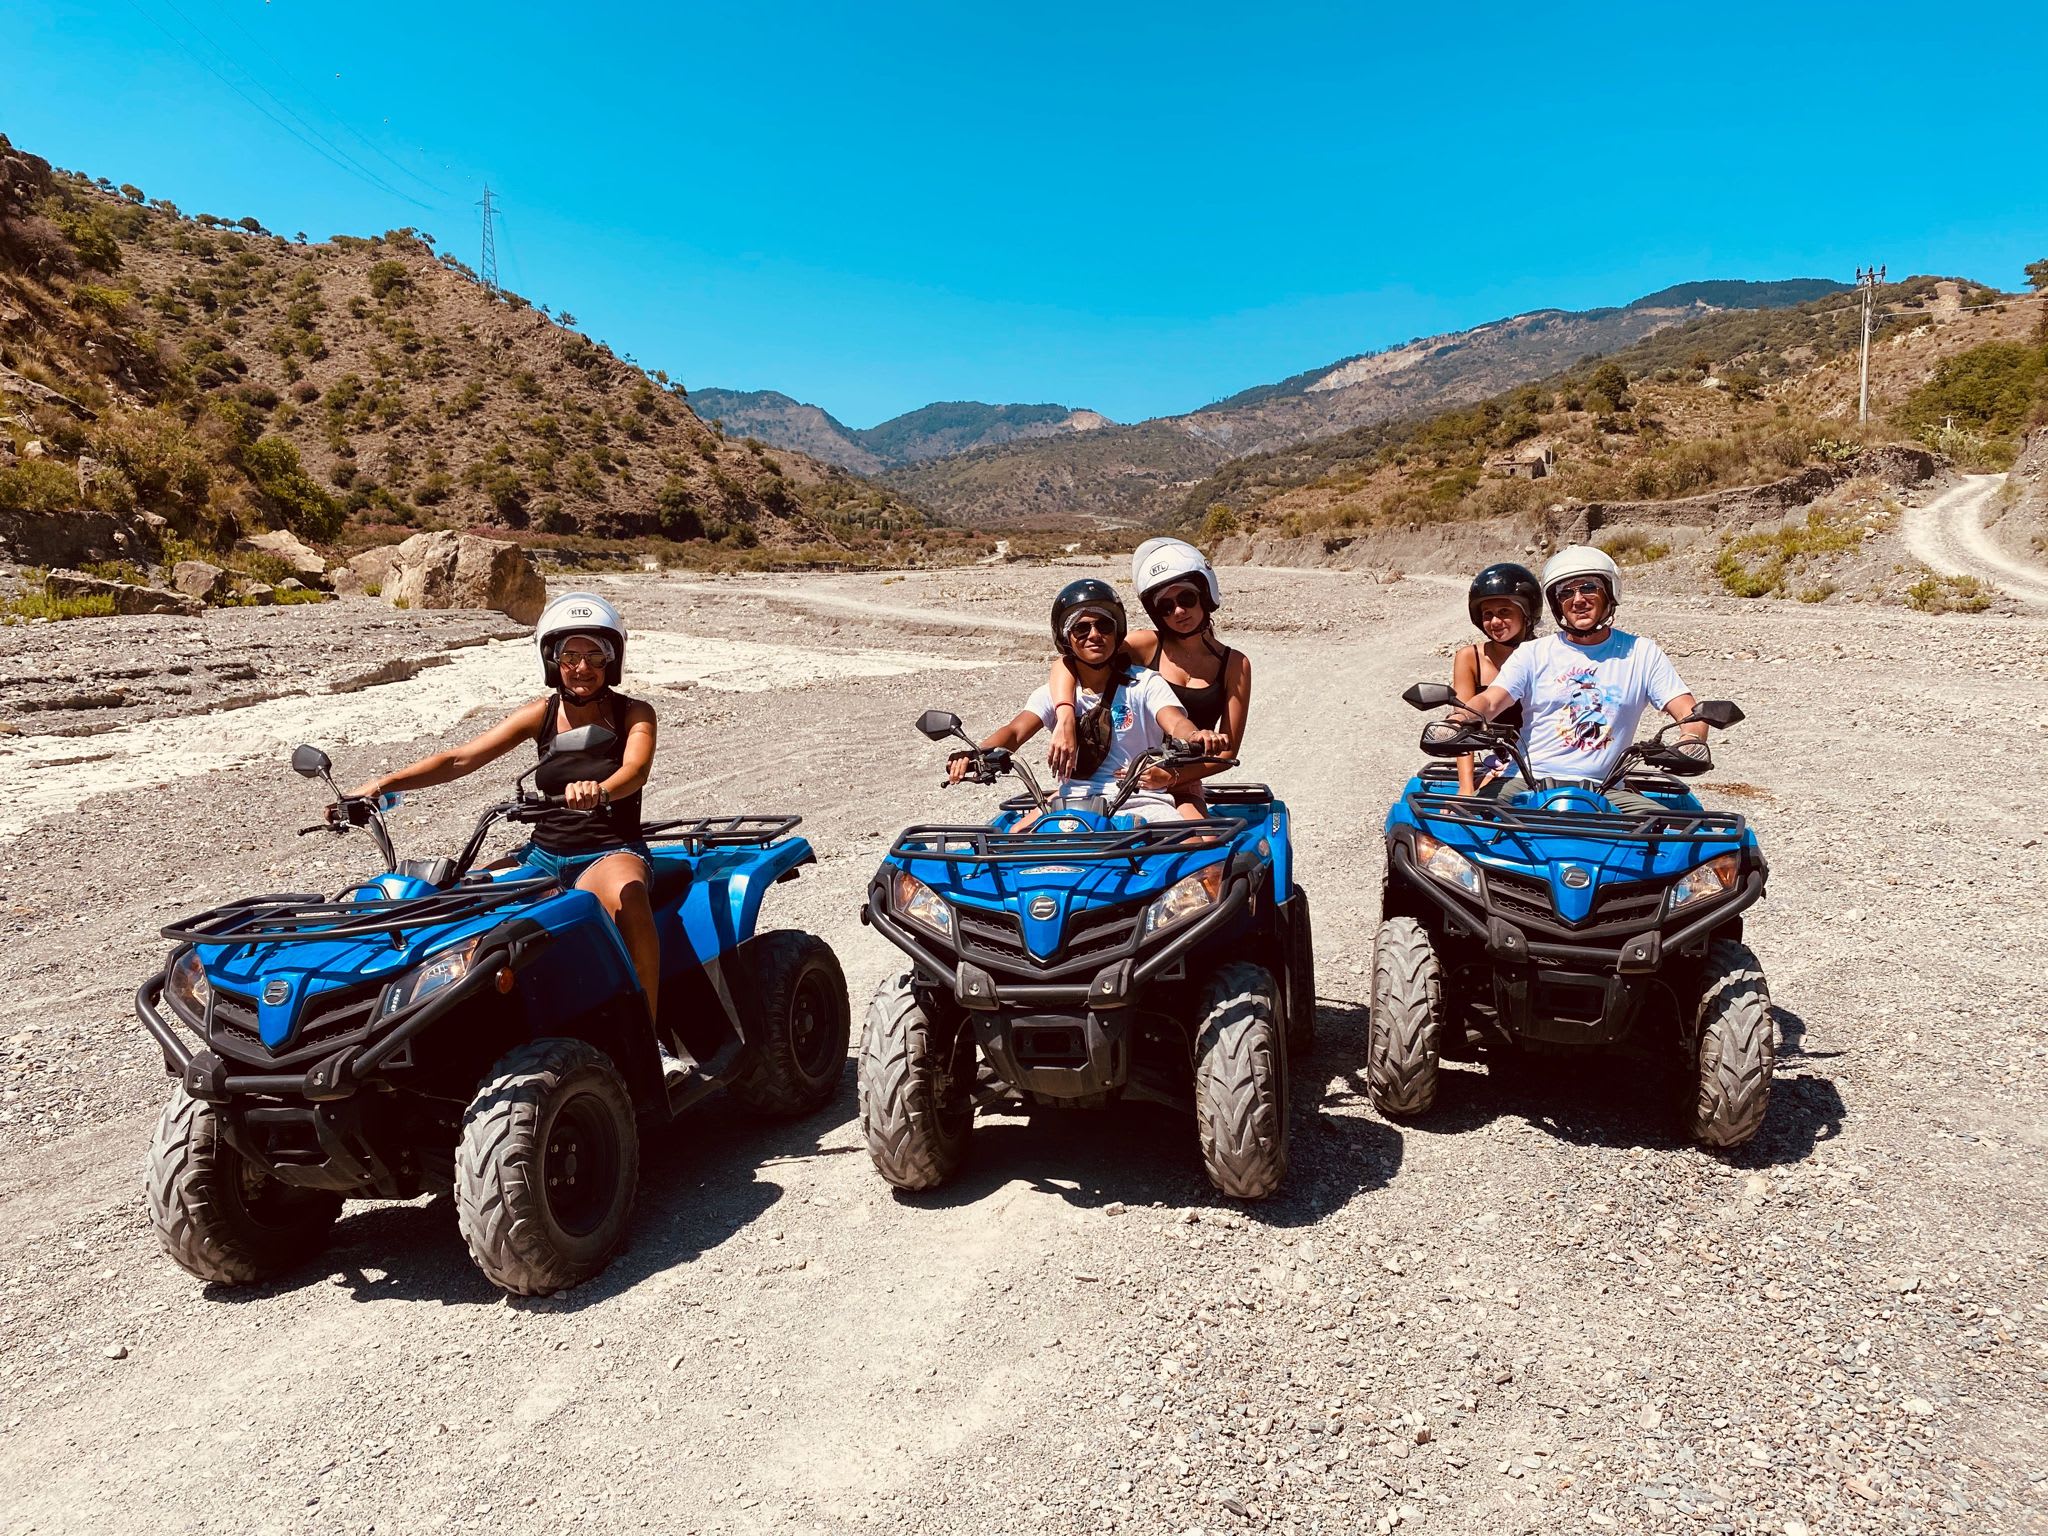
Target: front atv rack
x=301, y=919
x=702, y=832
x=1601, y=826
x=985, y=845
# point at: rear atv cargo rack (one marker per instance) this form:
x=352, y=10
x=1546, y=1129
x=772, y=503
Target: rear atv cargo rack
x=702, y=832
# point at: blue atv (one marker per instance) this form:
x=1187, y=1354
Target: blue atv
x=446, y=1027
x=1085, y=958
x=1550, y=918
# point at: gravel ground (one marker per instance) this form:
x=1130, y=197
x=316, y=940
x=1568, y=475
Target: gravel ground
x=1535, y=1311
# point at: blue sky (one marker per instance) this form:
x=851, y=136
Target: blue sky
x=1140, y=210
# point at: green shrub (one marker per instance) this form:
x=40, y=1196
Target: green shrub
x=1218, y=522
x=1948, y=594
x=676, y=509
x=1995, y=389
x=38, y=485
x=30, y=606
x=287, y=491
x=389, y=279
x=1632, y=546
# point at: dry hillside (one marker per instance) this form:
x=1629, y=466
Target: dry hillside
x=1141, y=472
x=222, y=377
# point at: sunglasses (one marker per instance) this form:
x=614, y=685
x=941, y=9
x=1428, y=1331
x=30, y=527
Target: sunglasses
x=1174, y=598
x=582, y=659
x=1083, y=629
x=1565, y=594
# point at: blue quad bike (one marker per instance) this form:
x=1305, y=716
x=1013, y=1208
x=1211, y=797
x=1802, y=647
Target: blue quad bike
x=1549, y=919
x=447, y=1027
x=1087, y=958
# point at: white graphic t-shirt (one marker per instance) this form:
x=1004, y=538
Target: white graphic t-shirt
x=1581, y=703
x=1135, y=718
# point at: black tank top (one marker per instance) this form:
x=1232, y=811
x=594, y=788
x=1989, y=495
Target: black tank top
x=1204, y=706
x=567, y=832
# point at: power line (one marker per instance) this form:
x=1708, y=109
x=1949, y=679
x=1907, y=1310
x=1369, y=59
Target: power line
x=328, y=151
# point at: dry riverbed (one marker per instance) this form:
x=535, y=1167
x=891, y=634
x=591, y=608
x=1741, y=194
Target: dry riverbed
x=1536, y=1311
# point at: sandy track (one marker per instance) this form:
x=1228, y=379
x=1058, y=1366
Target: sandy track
x=1839, y=1327
x=1948, y=534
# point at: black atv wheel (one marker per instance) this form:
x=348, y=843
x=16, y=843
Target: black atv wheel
x=1301, y=976
x=1401, y=1055
x=915, y=1109
x=1241, y=1082
x=1733, y=1049
x=798, y=1021
x=218, y=1215
x=547, y=1166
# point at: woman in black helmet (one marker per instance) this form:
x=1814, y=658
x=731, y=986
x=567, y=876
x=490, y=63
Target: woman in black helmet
x=1124, y=711
x=1503, y=601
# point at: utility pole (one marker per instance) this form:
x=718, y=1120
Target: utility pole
x=1867, y=279
x=487, y=269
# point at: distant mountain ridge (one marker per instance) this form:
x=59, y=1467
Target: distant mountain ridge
x=934, y=431
x=1138, y=472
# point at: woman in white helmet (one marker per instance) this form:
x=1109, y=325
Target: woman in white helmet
x=594, y=842
x=1584, y=688
x=1213, y=683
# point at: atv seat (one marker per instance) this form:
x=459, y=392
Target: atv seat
x=671, y=878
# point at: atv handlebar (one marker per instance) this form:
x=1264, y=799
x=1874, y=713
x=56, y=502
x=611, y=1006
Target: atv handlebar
x=1464, y=730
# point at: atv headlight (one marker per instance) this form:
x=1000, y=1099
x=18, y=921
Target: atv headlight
x=188, y=985
x=1197, y=893
x=1447, y=864
x=1714, y=878
x=423, y=981
x=921, y=904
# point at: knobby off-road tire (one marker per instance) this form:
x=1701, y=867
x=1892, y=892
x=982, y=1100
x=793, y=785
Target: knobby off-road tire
x=797, y=1020
x=1401, y=1055
x=1735, y=1049
x=547, y=1166
x=217, y=1215
x=1301, y=976
x=1241, y=1082
x=916, y=1114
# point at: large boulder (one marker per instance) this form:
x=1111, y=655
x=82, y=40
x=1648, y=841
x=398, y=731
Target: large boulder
x=128, y=598
x=463, y=570
x=200, y=579
x=293, y=551
x=369, y=571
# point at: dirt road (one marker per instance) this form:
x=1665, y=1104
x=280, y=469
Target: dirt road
x=1535, y=1312
x=1948, y=534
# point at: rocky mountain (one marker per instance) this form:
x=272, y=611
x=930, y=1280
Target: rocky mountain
x=218, y=377
x=933, y=431
x=1138, y=472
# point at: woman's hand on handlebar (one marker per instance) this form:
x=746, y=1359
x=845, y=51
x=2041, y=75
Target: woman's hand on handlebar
x=1157, y=777
x=958, y=764
x=584, y=795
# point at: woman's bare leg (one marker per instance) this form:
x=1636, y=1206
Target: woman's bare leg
x=619, y=880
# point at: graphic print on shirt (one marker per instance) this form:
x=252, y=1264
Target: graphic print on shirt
x=1586, y=721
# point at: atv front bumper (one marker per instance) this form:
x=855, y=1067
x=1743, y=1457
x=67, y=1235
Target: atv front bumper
x=988, y=988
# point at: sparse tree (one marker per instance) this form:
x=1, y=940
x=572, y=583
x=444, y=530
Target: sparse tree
x=2037, y=276
x=132, y=193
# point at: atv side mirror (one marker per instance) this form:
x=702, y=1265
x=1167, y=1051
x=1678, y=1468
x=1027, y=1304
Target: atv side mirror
x=310, y=762
x=1719, y=713
x=938, y=724
x=1430, y=695
x=585, y=738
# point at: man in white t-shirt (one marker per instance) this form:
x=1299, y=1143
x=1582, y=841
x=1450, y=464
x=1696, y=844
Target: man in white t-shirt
x=1122, y=715
x=1583, y=690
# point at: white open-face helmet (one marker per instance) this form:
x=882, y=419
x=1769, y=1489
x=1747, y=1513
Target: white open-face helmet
x=580, y=613
x=1161, y=562
x=1576, y=560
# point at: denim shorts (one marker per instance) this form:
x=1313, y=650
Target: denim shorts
x=567, y=868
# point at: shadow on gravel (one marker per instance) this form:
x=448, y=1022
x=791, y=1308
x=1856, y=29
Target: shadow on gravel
x=697, y=1188
x=1618, y=1099
x=1142, y=1154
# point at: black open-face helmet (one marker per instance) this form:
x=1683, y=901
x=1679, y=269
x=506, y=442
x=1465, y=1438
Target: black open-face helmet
x=1088, y=595
x=1516, y=583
